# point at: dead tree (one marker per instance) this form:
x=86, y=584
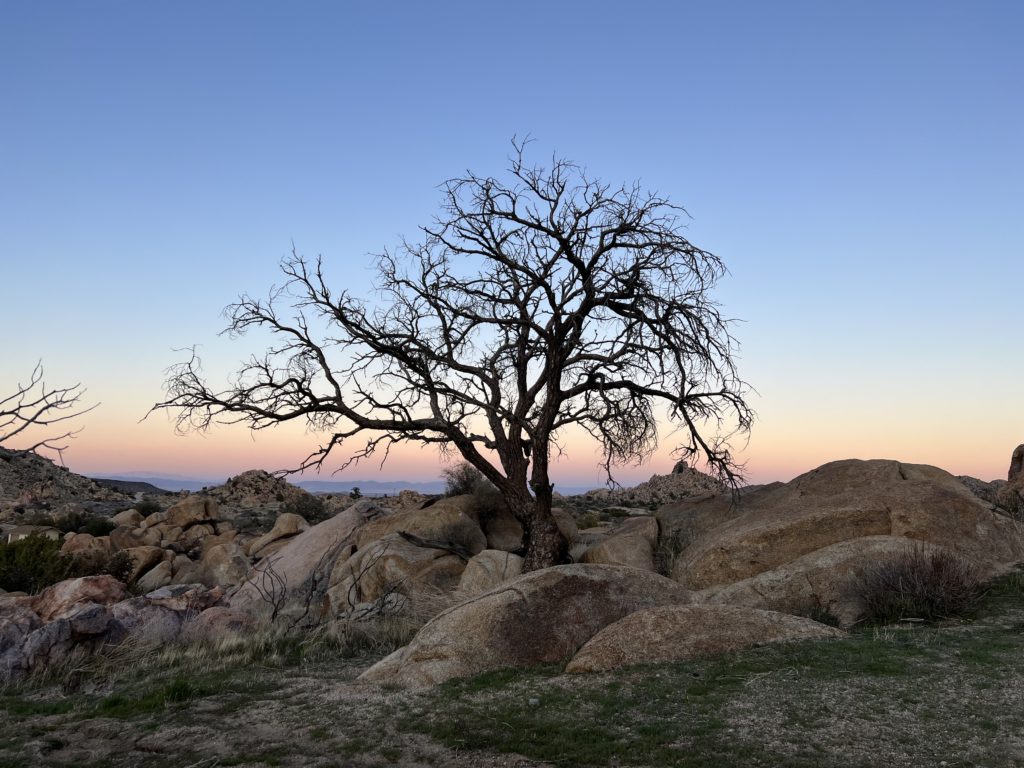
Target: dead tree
x=32, y=412
x=533, y=305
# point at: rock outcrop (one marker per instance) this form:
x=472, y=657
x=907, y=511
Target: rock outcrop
x=680, y=632
x=487, y=570
x=660, y=489
x=817, y=581
x=631, y=544
x=303, y=566
x=78, y=617
x=540, y=617
x=837, y=502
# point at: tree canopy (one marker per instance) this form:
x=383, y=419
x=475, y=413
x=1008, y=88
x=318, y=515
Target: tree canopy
x=532, y=304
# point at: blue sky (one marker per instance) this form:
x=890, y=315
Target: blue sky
x=858, y=166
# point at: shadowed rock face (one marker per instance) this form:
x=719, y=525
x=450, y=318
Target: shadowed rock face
x=680, y=632
x=820, y=579
x=540, y=617
x=839, y=501
x=1016, y=463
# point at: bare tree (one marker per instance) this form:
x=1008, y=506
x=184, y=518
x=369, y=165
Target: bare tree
x=35, y=409
x=547, y=301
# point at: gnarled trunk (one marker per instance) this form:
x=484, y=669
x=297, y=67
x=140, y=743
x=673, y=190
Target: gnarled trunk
x=545, y=544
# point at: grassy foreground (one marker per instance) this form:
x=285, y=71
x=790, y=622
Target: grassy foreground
x=951, y=695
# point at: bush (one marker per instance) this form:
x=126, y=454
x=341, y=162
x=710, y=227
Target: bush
x=34, y=563
x=924, y=584
x=97, y=526
x=31, y=564
x=462, y=479
x=311, y=508
x=465, y=479
x=147, y=507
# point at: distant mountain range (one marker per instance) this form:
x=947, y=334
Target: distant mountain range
x=168, y=482
x=367, y=487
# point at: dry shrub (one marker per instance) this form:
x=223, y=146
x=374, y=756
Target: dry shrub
x=920, y=583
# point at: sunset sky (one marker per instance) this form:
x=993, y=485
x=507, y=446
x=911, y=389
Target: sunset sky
x=859, y=167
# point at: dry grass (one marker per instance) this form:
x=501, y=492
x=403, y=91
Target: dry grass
x=920, y=583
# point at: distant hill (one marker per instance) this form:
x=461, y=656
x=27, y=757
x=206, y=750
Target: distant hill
x=129, y=486
x=372, y=487
x=161, y=482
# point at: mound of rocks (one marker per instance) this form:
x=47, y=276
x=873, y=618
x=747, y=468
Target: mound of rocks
x=32, y=481
x=540, y=617
x=660, y=489
x=75, y=618
x=256, y=488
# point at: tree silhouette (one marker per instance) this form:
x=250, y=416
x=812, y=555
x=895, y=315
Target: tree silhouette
x=531, y=305
x=33, y=411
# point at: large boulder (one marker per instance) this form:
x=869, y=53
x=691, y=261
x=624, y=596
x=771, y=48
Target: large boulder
x=541, y=617
x=217, y=624
x=487, y=570
x=818, y=581
x=631, y=544
x=147, y=624
x=89, y=548
x=189, y=511
x=1016, y=463
x=143, y=559
x=57, y=601
x=158, y=576
x=301, y=569
x=843, y=500
x=445, y=521
x=130, y=517
x=392, y=564
x=288, y=524
x=679, y=632
x=223, y=564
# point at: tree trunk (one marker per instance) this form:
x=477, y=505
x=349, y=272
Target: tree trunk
x=546, y=546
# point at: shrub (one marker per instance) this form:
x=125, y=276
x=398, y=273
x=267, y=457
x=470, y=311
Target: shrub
x=31, y=564
x=71, y=520
x=119, y=565
x=462, y=479
x=669, y=547
x=34, y=563
x=918, y=584
x=311, y=508
x=147, y=507
x=97, y=526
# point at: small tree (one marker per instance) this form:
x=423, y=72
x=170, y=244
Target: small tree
x=547, y=301
x=33, y=411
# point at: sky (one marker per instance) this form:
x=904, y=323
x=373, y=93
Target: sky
x=859, y=167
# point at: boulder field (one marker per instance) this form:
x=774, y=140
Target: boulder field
x=735, y=571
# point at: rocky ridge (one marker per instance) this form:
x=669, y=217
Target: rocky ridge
x=660, y=489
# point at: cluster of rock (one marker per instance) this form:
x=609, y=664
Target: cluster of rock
x=684, y=482
x=731, y=574
x=78, y=617
x=30, y=481
x=187, y=543
x=255, y=488
x=741, y=574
